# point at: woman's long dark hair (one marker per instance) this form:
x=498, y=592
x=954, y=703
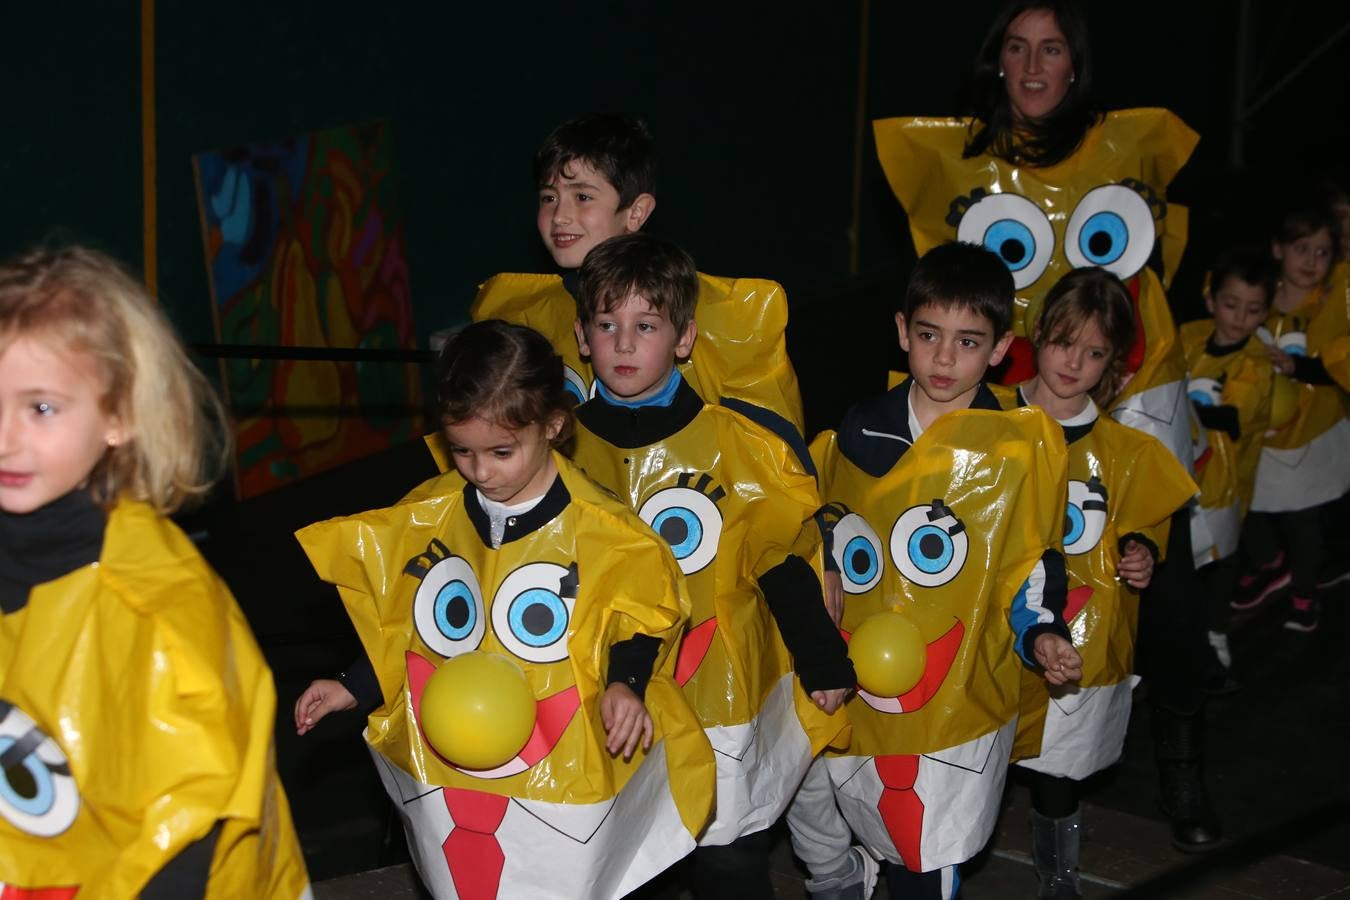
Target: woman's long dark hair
x=1052, y=139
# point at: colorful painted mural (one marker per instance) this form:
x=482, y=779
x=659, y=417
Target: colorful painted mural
x=306, y=247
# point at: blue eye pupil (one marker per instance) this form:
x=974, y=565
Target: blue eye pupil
x=680, y=528
x=456, y=613
x=1012, y=241
x=28, y=786
x=1074, y=524
x=931, y=549
x=1203, y=398
x=860, y=561
x=1104, y=238
x=538, y=617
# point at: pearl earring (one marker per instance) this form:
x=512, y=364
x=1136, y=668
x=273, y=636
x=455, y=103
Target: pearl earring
x=1000, y=73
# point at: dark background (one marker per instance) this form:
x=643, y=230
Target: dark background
x=754, y=106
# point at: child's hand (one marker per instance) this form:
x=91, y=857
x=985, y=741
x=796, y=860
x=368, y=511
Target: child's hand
x=324, y=695
x=1057, y=657
x=1279, y=360
x=1136, y=565
x=625, y=719
x=834, y=596
x=830, y=700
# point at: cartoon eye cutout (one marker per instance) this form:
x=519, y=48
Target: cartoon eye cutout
x=532, y=610
x=1085, y=516
x=689, y=520
x=38, y=795
x=1112, y=227
x=1015, y=229
x=575, y=386
x=448, y=607
x=929, y=544
x=857, y=553
x=1204, y=391
x=1295, y=343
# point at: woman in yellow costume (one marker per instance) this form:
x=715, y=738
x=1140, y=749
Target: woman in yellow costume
x=517, y=555
x=1302, y=464
x=1050, y=185
x=1123, y=489
x=136, y=711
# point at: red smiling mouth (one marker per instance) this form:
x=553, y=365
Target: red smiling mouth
x=1078, y=598
x=941, y=655
x=552, y=716
x=692, y=650
x=10, y=892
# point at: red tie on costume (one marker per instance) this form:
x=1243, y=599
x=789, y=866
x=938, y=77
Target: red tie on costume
x=900, y=807
x=472, y=852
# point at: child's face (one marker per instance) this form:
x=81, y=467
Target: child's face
x=1304, y=263
x=949, y=350
x=53, y=429
x=579, y=208
x=633, y=348
x=508, y=465
x=1071, y=369
x=1239, y=309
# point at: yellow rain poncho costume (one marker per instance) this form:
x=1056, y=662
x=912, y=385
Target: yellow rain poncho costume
x=1103, y=206
x=732, y=499
x=1226, y=468
x=1123, y=485
x=136, y=716
x=741, y=350
x=563, y=819
x=1303, y=463
x=958, y=534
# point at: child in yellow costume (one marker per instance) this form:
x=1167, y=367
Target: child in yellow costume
x=731, y=498
x=1104, y=205
x=1123, y=489
x=597, y=179
x=1302, y=462
x=1230, y=389
x=136, y=711
x=950, y=512
x=519, y=555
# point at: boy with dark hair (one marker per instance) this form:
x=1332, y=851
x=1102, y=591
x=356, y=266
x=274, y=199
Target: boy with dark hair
x=596, y=180
x=1230, y=390
x=947, y=512
x=762, y=664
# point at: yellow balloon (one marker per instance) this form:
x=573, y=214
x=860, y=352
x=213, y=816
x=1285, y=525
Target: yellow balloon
x=1283, y=402
x=478, y=710
x=888, y=653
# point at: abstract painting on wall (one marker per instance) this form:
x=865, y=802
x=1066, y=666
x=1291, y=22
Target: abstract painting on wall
x=305, y=245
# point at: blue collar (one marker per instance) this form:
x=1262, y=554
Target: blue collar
x=664, y=397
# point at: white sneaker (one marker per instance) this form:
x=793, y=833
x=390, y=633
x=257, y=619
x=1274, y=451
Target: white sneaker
x=1219, y=641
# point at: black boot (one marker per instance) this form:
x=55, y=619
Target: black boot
x=1184, y=800
x=1054, y=847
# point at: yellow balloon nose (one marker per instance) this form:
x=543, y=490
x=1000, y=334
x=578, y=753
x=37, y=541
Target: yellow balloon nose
x=478, y=710
x=888, y=653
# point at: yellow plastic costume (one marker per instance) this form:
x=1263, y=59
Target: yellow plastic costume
x=136, y=715
x=732, y=498
x=1103, y=206
x=1121, y=482
x=562, y=819
x=1226, y=469
x=1303, y=462
x=951, y=536
x=741, y=350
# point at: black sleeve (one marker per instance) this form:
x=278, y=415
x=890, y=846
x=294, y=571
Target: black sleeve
x=827, y=539
x=359, y=678
x=631, y=661
x=1139, y=539
x=819, y=654
x=185, y=876
x=1218, y=418
x=1311, y=370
